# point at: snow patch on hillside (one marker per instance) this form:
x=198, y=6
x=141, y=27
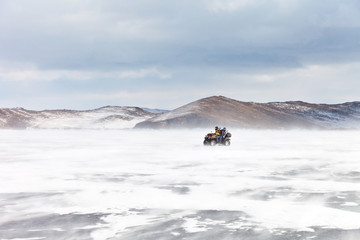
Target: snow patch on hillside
x=179, y=112
x=102, y=118
x=105, y=118
x=345, y=115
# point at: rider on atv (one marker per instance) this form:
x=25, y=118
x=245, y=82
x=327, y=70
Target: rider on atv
x=221, y=136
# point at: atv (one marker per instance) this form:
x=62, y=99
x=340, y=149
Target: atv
x=210, y=139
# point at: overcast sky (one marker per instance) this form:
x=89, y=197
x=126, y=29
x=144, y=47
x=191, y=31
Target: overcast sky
x=83, y=54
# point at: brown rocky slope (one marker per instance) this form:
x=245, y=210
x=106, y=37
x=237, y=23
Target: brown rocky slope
x=222, y=111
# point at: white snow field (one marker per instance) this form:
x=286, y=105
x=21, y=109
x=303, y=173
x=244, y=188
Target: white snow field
x=147, y=184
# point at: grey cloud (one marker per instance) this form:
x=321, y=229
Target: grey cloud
x=193, y=41
x=114, y=34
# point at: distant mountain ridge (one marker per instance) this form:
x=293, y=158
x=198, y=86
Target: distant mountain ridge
x=108, y=117
x=206, y=112
x=219, y=110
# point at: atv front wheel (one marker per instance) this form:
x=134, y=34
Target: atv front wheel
x=227, y=143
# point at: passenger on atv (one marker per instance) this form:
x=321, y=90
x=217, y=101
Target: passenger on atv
x=221, y=136
x=218, y=135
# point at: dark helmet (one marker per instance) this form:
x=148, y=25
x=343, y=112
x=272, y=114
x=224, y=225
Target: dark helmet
x=224, y=128
x=216, y=128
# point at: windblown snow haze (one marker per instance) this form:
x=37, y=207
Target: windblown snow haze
x=146, y=184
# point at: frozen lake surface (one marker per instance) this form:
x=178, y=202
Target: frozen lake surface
x=142, y=184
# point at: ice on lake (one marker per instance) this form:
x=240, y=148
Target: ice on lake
x=147, y=184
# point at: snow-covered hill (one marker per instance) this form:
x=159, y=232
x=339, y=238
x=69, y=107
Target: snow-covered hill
x=345, y=115
x=224, y=111
x=108, y=117
x=206, y=112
